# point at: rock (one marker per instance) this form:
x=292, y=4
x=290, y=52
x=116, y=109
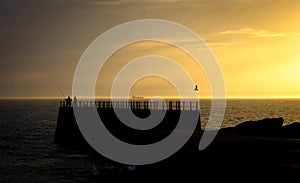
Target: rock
x=291, y=130
x=264, y=127
x=265, y=124
x=268, y=127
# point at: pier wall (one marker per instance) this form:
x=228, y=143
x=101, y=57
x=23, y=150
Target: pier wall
x=67, y=131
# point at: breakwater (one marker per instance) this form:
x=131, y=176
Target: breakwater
x=67, y=131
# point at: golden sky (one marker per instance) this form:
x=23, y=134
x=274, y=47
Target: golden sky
x=256, y=42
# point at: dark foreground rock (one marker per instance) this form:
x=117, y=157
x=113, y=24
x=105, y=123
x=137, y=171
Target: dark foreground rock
x=292, y=130
x=230, y=157
x=262, y=150
x=268, y=127
x=268, y=124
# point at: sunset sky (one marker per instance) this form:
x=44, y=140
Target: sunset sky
x=256, y=42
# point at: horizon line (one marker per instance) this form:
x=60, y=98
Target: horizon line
x=164, y=97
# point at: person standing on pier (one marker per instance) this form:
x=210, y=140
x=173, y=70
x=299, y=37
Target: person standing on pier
x=68, y=101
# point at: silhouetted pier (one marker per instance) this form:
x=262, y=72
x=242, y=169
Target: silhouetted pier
x=136, y=104
x=67, y=131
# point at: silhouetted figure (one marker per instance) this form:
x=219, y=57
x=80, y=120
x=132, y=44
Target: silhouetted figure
x=75, y=101
x=196, y=88
x=68, y=101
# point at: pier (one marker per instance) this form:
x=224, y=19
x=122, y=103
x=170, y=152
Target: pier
x=67, y=131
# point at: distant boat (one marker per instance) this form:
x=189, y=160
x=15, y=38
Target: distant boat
x=137, y=97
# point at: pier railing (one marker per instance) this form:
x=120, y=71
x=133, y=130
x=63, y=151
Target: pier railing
x=132, y=104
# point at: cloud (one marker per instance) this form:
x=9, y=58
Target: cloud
x=256, y=33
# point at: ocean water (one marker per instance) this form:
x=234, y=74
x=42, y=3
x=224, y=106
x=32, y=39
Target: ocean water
x=238, y=111
x=27, y=127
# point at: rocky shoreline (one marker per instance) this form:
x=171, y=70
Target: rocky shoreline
x=251, y=151
x=268, y=127
x=263, y=149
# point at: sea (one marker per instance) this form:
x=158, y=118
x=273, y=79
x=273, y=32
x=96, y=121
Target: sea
x=27, y=128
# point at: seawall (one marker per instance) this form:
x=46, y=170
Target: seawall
x=68, y=133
